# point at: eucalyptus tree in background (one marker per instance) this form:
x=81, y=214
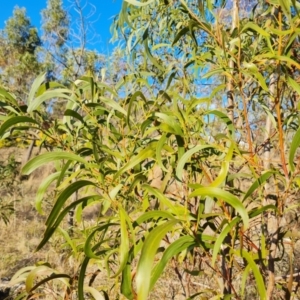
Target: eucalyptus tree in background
x=67, y=48
x=19, y=48
x=68, y=37
x=56, y=27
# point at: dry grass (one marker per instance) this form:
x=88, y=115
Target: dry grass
x=21, y=235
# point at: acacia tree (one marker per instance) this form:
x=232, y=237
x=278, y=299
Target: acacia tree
x=212, y=202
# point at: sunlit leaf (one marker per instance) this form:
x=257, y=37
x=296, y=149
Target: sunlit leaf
x=224, y=118
x=138, y=3
x=256, y=272
x=45, y=158
x=293, y=149
x=183, y=243
x=9, y=123
x=35, y=86
x=258, y=182
x=144, y=268
x=227, y=197
x=96, y=294
x=48, y=95
x=144, y=154
x=124, y=245
x=184, y=159
x=88, y=249
x=255, y=27
x=224, y=233
x=42, y=190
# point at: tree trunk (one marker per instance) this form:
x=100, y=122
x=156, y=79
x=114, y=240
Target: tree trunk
x=270, y=222
x=226, y=266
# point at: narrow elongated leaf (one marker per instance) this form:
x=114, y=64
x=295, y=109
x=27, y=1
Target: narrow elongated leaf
x=64, y=278
x=21, y=296
x=96, y=294
x=74, y=114
x=290, y=62
x=255, y=27
x=150, y=56
x=82, y=277
x=177, y=210
x=126, y=284
x=42, y=189
x=182, y=32
x=35, y=86
x=258, y=182
x=143, y=274
x=180, y=143
x=224, y=169
x=113, y=153
x=14, y=121
x=294, y=146
x=124, y=245
x=68, y=239
x=244, y=279
x=132, y=100
x=159, y=147
x=48, y=85
x=33, y=274
x=137, y=36
x=49, y=94
x=144, y=154
x=171, y=77
x=45, y=158
x=63, y=197
x=21, y=275
x=295, y=85
x=258, y=211
x=222, y=175
x=7, y=97
x=138, y=3
x=137, y=179
x=253, y=70
x=213, y=72
x=114, y=105
x=221, y=238
x=183, y=243
x=88, y=249
x=153, y=215
x=114, y=192
x=225, y=119
x=41, y=271
x=256, y=272
x=227, y=197
x=185, y=157
x=172, y=122
x=83, y=268
x=54, y=226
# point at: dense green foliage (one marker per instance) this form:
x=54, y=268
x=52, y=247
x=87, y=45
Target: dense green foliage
x=191, y=154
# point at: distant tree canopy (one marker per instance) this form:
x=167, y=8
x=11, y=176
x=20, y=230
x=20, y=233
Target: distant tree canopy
x=19, y=47
x=59, y=51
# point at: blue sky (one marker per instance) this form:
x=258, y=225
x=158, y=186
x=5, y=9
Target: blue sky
x=105, y=10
